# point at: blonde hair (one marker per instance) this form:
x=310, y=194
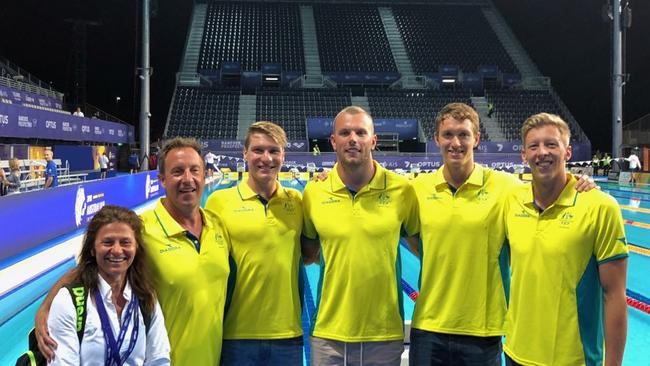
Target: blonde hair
x=14, y=164
x=546, y=119
x=460, y=112
x=270, y=129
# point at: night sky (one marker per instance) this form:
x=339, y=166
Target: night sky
x=567, y=40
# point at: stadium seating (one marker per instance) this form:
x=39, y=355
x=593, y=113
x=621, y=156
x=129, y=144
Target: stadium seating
x=352, y=38
x=252, y=34
x=512, y=107
x=449, y=35
x=419, y=104
x=291, y=108
x=204, y=113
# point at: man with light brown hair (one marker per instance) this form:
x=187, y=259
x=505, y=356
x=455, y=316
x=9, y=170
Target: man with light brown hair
x=463, y=250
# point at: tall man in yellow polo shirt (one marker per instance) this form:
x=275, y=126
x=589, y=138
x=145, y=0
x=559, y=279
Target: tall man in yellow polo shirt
x=187, y=249
x=357, y=214
x=569, y=261
x=459, y=314
x=264, y=220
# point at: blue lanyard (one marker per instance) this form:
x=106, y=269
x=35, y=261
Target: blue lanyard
x=112, y=353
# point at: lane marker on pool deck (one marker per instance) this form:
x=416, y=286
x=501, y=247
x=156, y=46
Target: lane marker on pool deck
x=640, y=224
x=639, y=250
x=635, y=209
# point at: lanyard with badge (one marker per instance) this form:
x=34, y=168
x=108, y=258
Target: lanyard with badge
x=112, y=354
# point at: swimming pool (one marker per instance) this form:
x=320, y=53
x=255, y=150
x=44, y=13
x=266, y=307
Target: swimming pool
x=634, y=203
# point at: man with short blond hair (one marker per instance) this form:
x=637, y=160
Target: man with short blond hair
x=353, y=221
x=264, y=219
x=568, y=260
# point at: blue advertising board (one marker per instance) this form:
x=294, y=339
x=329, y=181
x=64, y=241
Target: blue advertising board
x=581, y=150
x=327, y=160
x=23, y=97
x=47, y=214
x=321, y=128
x=238, y=145
x=19, y=121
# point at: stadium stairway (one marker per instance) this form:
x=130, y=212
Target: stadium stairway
x=396, y=43
x=188, y=75
x=524, y=64
x=361, y=101
x=246, y=117
x=309, y=42
x=489, y=123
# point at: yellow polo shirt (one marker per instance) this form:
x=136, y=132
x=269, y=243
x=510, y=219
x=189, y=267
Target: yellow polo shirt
x=359, y=293
x=556, y=301
x=465, y=275
x=266, y=255
x=191, y=285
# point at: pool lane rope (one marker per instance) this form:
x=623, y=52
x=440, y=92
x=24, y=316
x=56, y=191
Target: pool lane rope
x=638, y=301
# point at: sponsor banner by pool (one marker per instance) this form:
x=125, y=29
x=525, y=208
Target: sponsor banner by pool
x=424, y=162
x=321, y=128
x=238, y=145
x=581, y=151
x=18, y=121
x=32, y=218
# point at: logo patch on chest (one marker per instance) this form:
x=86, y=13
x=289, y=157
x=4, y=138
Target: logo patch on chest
x=383, y=199
x=566, y=219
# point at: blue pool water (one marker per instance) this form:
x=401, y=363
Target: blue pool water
x=14, y=326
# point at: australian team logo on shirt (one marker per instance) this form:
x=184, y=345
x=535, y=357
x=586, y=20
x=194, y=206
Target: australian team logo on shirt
x=433, y=197
x=482, y=195
x=566, y=219
x=289, y=206
x=383, y=199
x=218, y=238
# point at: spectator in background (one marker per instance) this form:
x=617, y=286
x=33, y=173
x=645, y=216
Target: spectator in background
x=634, y=167
x=77, y=112
x=209, y=163
x=134, y=162
x=315, y=150
x=490, y=110
x=51, y=173
x=12, y=180
x=606, y=163
x=3, y=182
x=153, y=161
x=103, y=166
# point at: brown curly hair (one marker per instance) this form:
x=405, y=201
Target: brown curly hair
x=137, y=274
